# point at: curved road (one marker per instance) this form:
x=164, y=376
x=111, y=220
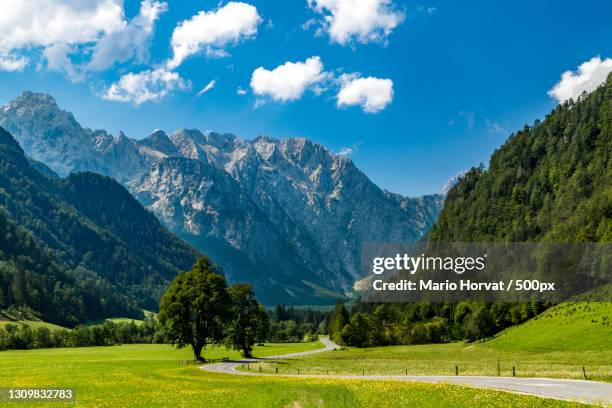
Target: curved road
x=576, y=390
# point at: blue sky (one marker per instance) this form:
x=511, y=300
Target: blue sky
x=464, y=75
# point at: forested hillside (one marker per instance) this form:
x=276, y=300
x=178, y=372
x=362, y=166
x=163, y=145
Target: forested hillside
x=549, y=182
x=79, y=248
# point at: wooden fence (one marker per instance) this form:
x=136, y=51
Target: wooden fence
x=206, y=360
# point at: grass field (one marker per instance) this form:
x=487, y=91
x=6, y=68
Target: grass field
x=150, y=376
x=557, y=344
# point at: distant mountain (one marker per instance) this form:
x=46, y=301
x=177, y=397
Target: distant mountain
x=82, y=244
x=549, y=182
x=287, y=215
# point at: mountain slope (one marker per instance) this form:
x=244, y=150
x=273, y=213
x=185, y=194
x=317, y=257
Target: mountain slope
x=279, y=212
x=206, y=207
x=549, y=182
x=92, y=226
x=573, y=326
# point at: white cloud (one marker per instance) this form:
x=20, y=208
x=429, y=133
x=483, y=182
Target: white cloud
x=288, y=81
x=131, y=41
x=241, y=91
x=348, y=151
x=212, y=31
x=209, y=86
x=12, y=63
x=57, y=56
x=372, y=94
x=46, y=22
x=150, y=85
x=590, y=75
x=70, y=30
x=363, y=21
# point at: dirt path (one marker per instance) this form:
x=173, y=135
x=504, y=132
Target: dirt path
x=576, y=390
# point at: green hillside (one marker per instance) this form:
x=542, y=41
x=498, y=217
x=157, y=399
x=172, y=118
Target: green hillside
x=575, y=326
x=556, y=344
x=549, y=182
x=79, y=248
x=33, y=324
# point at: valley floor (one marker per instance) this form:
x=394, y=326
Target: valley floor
x=150, y=376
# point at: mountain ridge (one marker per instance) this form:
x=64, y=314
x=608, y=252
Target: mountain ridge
x=296, y=194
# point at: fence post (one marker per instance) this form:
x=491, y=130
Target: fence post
x=363, y=372
x=260, y=368
x=513, y=371
x=276, y=370
x=248, y=366
x=298, y=371
x=456, y=370
x=584, y=373
x=406, y=371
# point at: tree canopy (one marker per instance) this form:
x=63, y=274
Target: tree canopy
x=195, y=308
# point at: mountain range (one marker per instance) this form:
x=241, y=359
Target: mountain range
x=288, y=216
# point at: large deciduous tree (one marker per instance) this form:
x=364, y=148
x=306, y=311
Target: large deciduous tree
x=247, y=322
x=196, y=307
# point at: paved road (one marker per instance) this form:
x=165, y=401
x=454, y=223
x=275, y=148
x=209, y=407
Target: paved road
x=577, y=390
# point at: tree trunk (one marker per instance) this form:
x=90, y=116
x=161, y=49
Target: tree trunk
x=248, y=353
x=197, y=351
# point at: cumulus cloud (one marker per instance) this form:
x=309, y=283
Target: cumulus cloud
x=288, y=81
x=12, y=63
x=149, y=85
x=58, y=59
x=67, y=30
x=372, y=94
x=46, y=22
x=211, y=32
x=241, y=91
x=590, y=75
x=364, y=21
x=209, y=86
x=131, y=41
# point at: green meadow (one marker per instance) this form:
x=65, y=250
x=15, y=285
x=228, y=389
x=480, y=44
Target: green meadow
x=150, y=376
x=556, y=344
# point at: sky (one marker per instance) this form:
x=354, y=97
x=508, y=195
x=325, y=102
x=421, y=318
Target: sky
x=413, y=91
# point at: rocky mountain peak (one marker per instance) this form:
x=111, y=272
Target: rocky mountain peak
x=29, y=98
x=42, y=108
x=221, y=141
x=159, y=145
